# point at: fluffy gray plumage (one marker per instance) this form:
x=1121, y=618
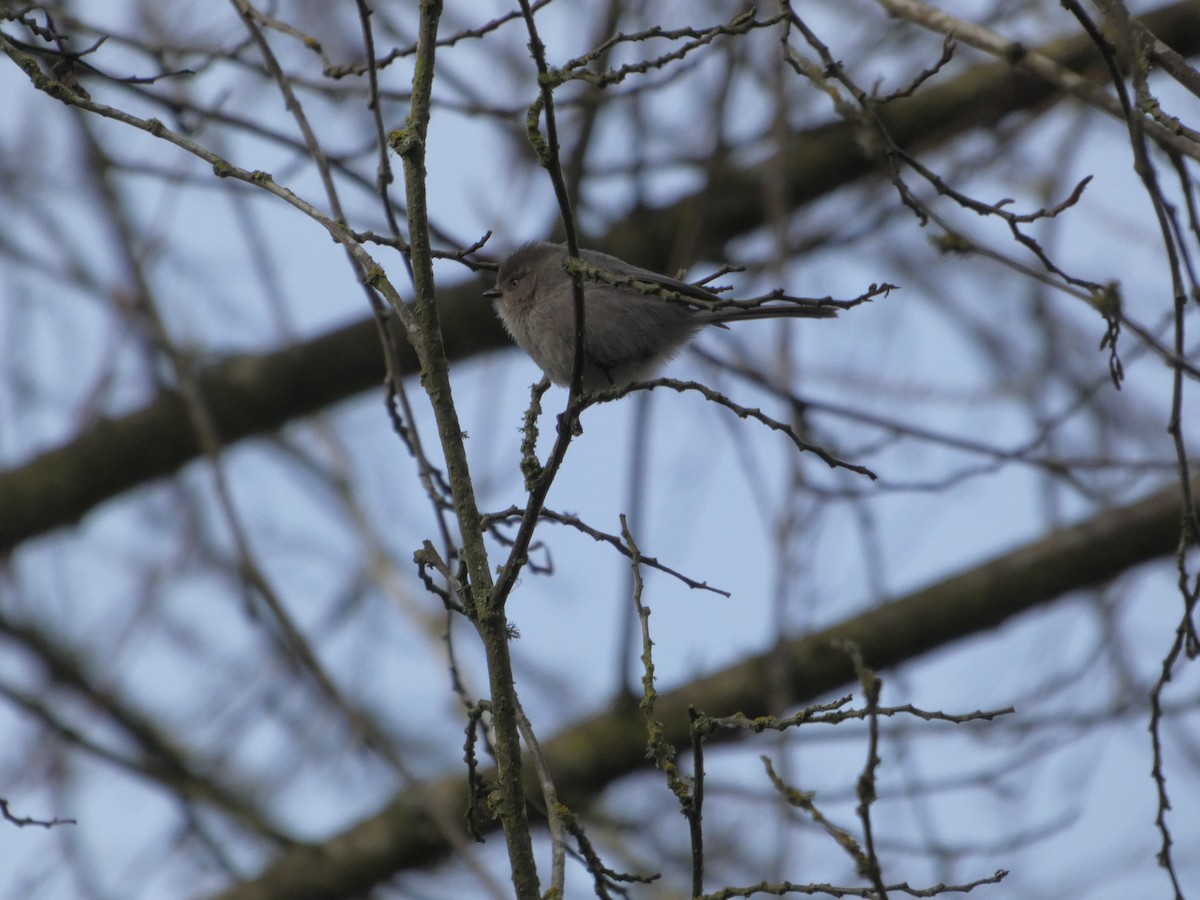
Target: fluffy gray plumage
x=628, y=333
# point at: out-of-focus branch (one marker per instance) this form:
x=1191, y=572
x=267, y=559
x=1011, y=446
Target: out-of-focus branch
x=245, y=395
x=827, y=157
x=590, y=756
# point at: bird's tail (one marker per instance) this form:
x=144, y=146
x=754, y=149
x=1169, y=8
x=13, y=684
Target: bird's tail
x=774, y=311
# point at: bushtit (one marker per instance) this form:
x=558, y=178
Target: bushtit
x=628, y=333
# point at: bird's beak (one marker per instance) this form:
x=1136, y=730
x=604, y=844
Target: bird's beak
x=493, y=294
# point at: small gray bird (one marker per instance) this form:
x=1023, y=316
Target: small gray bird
x=628, y=333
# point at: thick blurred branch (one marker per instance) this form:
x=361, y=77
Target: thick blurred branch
x=245, y=396
x=591, y=755
x=830, y=156
x=250, y=396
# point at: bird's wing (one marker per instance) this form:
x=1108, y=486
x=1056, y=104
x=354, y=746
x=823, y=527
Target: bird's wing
x=620, y=267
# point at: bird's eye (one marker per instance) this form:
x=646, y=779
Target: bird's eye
x=513, y=282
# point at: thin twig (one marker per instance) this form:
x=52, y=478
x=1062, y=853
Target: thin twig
x=743, y=412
